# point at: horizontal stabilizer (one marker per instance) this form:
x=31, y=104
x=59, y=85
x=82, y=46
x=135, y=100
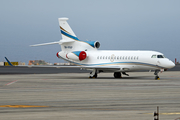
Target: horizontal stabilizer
x=50, y=43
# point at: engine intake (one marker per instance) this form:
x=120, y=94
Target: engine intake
x=97, y=44
x=94, y=44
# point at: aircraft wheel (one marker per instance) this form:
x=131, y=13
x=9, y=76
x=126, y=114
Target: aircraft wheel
x=117, y=75
x=95, y=76
x=157, y=78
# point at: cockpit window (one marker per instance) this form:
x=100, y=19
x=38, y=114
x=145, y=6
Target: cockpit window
x=160, y=56
x=153, y=56
x=157, y=56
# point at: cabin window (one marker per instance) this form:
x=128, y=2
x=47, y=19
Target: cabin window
x=109, y=57
x=131, y=57
x=101, y=57
x=117, y=57
x=114, y=57
x=98, y=57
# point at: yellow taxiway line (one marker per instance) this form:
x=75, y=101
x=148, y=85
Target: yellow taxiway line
x=21, y=106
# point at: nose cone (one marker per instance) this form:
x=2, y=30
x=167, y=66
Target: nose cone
x=170, y=64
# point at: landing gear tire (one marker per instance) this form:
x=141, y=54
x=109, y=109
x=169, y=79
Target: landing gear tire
x=157, y=78
x=117, y=75
x=95, y=76
x=156, y=73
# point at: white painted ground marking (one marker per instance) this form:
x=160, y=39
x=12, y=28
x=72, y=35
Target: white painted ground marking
x=11, y=82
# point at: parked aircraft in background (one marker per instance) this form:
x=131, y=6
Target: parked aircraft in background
x=10, y=64
x=85, y=54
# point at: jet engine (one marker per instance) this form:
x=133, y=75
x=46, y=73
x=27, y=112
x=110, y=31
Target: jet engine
x=94, y=44
x=77, y=55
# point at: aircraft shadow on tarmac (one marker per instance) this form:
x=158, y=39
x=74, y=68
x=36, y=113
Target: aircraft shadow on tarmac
x=107, y=78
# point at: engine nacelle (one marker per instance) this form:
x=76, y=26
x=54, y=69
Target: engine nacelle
x=57, y=54
x=94, y=44
x=77, y=55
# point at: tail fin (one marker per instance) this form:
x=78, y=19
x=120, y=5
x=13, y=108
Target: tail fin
x=68, y=35
x=8, y=61
x=66, y=31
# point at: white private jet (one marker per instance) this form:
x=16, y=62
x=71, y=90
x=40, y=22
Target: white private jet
x=85, y=54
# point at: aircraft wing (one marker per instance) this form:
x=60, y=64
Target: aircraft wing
x=69, y=66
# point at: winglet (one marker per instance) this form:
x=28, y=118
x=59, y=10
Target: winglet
x=8, y=61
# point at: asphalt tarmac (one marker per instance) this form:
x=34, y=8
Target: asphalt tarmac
x=73, y=96
x=48, y=70
x=37, y=70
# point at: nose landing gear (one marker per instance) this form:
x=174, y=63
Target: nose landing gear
x=156, y=73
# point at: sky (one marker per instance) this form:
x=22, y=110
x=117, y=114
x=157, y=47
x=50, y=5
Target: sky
x=116, y=24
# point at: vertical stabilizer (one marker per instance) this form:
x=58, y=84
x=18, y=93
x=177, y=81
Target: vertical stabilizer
x=66, y=30
x=8, y=61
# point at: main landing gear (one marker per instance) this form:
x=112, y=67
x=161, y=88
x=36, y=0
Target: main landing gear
x=156, y=73
x=118, y=74
x=93, y=74
x=124, y=73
